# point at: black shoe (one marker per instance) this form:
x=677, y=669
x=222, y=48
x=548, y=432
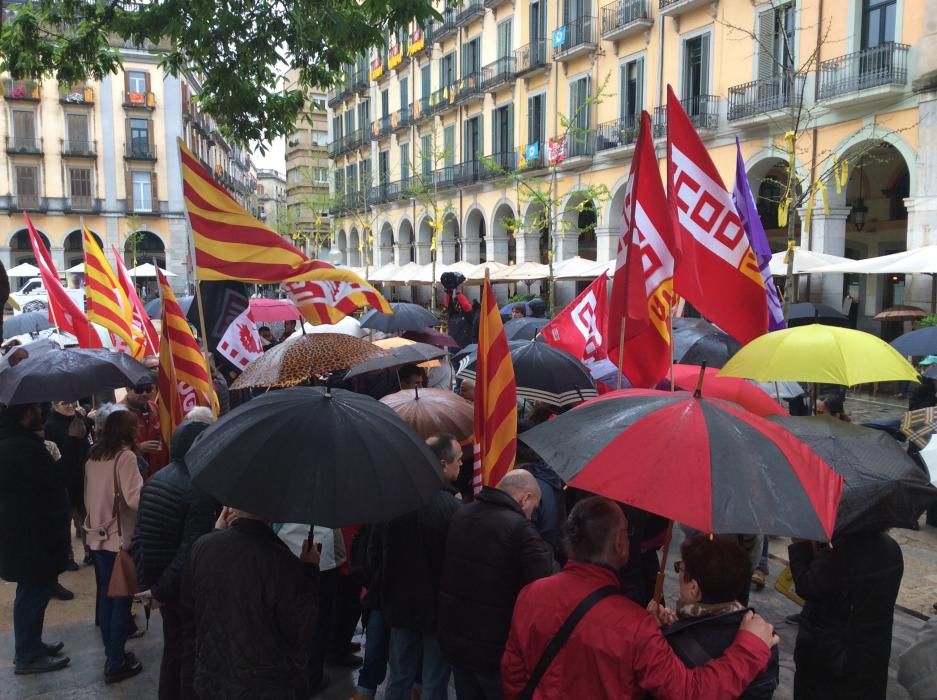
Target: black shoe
x=322, y=685
x=135, y=632
x=44, y=664
x=793, y=619
x=346, y=660
x=354, y=647
x=72, y=566
x=62, y=593
x=130, y=668
x=54, y=649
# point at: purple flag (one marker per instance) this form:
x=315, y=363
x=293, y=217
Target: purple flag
x=751, y=222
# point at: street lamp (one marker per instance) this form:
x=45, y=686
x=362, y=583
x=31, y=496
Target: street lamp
x=859, y=209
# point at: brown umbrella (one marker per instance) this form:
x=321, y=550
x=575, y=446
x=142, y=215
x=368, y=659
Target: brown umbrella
x=918, y=425
x=303, y=358
x=902, y=312
x=433, y=411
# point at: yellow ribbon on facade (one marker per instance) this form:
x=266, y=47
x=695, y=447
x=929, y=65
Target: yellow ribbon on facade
x=790, y=252
x=808, y=218
x=783, y=209
x=826, y=203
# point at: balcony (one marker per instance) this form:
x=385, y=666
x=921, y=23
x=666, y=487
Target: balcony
x=444, y=27
x=625, y=18
x=335, y=147
x=675, y=8
x=79, y=149
x=501, y=72
x=336, y=95
x=617, y=134
x=139, y=100
x=23, y=90
x=703, y=111
x=401, y=119
x=878, y=72
x=496, y=164
x=423, y=108
x=357, y=139
x=145, y=207
x=531, y=58
x=442, y=100
x=361, y=83
x=140, y=151
x=381, y=127
x=469, y=10
x=24, y=145
x=28, y=202
x=756, y=101
x=580, y=144
x=79, y=94
x=469, y=87
x=81, y=202
x=389, y=192
x=491, y=4
x=574, y=39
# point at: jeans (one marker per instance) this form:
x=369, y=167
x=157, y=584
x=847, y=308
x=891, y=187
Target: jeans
x=406, y=648
x=177, y=668
x=29, y=611
x=376, y=648
x=472, y=685
x=347, y=614
x=113, y=613
x=321, y=637
x=763, y=562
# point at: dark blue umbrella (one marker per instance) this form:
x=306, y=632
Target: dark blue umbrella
x=525, y=328
x=154, y=307
x=406, y=317
x=917, y=343
x=29, y=322
x=508, y=308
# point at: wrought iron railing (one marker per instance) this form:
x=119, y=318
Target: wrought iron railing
x=886, y=64
x=501, y=71
x=762, y=96
x=531, y=57
x=72, y=147
x=24, y=144
x=579, y=32
x=445, y=26
x=469, y=9
x=469, y=85
x=621, y=13
x=703, y=111
x=617, y=133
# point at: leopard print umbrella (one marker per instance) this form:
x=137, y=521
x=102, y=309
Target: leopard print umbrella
x=303, y=358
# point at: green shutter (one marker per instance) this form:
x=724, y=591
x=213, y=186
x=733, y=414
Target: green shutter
x=704, y=64
x=510, y=138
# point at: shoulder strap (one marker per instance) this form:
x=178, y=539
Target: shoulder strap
x=690, y=649
x=562, y=635
x=117, y=496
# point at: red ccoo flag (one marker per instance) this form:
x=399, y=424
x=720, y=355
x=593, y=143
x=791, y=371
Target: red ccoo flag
x=63, y=311
x=642, y=291
x=718, y=272
x=495, y=397
x=578, y=328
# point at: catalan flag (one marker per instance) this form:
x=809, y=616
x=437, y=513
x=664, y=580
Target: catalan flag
x=329, y=302
x=143, y=327
x=105, y=300
x=495, y=398
x=183, y=377
x=230, y=244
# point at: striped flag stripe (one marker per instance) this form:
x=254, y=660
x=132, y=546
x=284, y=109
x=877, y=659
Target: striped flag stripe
x=143, y=327
x=107, y=303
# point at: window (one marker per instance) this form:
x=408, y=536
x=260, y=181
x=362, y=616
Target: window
x=337, y=127
x=404, y=95
x=631, y=90
x=425, y=81
x=319, y=137
x=536, y=120
x=137, y=81
x=472, y=143
x=79, y=188
x=405, y=162
x=298, y=211
x=317, y=104
x=364, y=114
x=76, y=131
x=695, y=72
x=142, y=190
x=339, y=182
x=24, y=125
x=878, y=22
x=139, y=137
x=385, y=103
x=27, y=186
x=447, y=70
x=351, y=177
x=448, y=145
x=505, y=39
x=297, y=176
x=580, y=110
x=383, y=167
x=320, y=175
x=538, y=21
x=426, y=153
x=502, y=132
x=349, y=122
x=576, y=9
x=471, y=58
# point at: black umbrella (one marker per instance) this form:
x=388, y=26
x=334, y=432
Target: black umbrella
x=884, y=487
x=154, y=307
x=411, y=354
x=543, y=373
x=917, y=343
x=805, y=313
x=310, y=455
x=525, y=328
x=696, y=341
x=469, y=351
x=406, y=317
x=29, y=322
x=68, y=375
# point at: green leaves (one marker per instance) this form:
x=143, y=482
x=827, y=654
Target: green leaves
x=239, y=51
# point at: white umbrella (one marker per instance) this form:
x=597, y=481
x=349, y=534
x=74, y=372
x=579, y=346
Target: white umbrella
x=578, y=269
x=347, y=326
x=78, y=269
x=929, y=455
x=477, y=274
x=918, y=261
x=462, y=267
x=405, y=274
x=804, y=261
x=148, y=270
x=383, y=273
x=423, y=275
x=524, y=272
x=23, y=270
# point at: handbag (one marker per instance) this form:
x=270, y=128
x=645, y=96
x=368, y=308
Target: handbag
x=123, y=583
x=785, y=586
x=563, y=634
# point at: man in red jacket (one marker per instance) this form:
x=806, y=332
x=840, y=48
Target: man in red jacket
x=617, y=649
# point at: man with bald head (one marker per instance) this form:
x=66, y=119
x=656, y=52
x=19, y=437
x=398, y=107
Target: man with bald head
x=492, y=552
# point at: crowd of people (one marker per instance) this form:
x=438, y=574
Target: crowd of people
x=527, y=589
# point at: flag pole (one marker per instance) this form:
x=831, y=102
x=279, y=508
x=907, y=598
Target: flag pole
x=621, y=349
x=670, y=332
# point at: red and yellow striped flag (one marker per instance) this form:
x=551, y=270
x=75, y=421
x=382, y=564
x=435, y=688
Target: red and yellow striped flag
x=105, y=300
x=495, y=398
x=329, y=302
x=183, y=377
x=230, y=244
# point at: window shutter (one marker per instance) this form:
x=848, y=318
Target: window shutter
x=510, y=139
x=704, y=64
x=465, y=140
x=128, y=184
x=480, y=143
x=404, y=93
x=766, y=44
x=151, y=137
x=126, y=84
x=146, y=78
x=496, y=131
x=129, y=136
x=638, y=105
x=154, y=192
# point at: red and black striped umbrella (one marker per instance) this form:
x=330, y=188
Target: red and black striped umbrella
x=707, y=463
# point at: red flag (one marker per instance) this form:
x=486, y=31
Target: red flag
x=241, y=343
x=718, y=272
x=578, y=328
x=63, y=311
x=141, y=320
x=642, y=291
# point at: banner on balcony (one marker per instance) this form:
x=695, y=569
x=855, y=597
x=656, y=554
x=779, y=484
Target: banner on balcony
x=557, y=152
x=417, y=42
x=377, y=69
x=396, y=55
x=532, y=152
x=559, y=37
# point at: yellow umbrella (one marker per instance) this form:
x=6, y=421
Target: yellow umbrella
x=396, y=342
x=820, y=354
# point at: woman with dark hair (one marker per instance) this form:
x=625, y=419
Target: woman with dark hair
x=713, y=575
x=832, y=405
x=112, y=498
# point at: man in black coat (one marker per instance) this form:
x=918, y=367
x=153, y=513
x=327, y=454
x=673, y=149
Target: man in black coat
x=173, y=515
x=492, y=552
x=34, y=537
x=844, y=636
x=411, y=567
x=254, y=605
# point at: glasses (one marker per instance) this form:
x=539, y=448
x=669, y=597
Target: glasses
x=143, y=389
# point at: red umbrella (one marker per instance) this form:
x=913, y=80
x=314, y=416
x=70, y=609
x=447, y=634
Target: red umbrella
x=705, y=462
x=734, y=389
x=274, y=310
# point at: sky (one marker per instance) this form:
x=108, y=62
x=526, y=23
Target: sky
x=274, y=158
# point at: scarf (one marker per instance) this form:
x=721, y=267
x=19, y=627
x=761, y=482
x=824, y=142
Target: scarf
x=691, y=610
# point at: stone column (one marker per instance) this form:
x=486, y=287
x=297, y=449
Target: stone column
x=565, y=245
x=829, y=236
x=401, y=254
x=496, y=249
x=423, y=254
x=385, y=254
x=606, y=244
x=445, y=253
x=472, y=251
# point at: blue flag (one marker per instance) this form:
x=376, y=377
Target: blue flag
x=751, y=222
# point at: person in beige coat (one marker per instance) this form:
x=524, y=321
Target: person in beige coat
x=112, y=497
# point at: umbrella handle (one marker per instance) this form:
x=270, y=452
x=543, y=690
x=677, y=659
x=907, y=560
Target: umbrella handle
x=662, y=572
x=699, y=382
